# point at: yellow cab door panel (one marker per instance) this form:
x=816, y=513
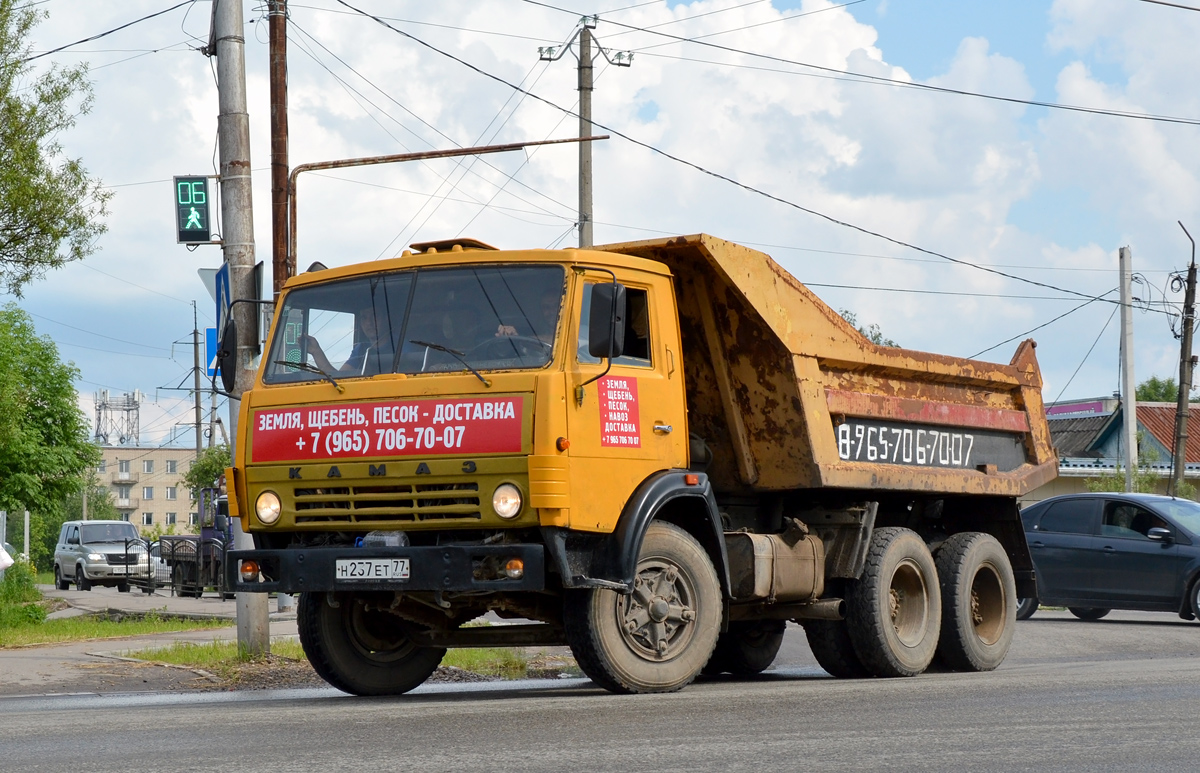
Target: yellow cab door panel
x=632, y=422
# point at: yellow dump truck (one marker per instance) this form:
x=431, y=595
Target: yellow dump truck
x=656, y=452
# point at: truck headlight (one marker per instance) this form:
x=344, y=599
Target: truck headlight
x=507, y=500
x=268, y=507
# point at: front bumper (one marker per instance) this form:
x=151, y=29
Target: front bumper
x=438, y=568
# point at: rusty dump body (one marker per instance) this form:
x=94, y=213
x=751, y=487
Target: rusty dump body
x=788, y=396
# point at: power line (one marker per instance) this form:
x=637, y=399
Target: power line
x=1173, y=5
x=880, y=79
x=99, y=335
x=1089, y=354
x=908, y=291
x=1044, y=324
x=105, y=33
x=718, y=175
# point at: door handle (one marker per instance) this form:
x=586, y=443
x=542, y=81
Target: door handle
x=664, y=429
x=1037, y=544
x=1109, y=549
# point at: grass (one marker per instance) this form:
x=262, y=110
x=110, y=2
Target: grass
x=88, y=627
x=45, y=578
x=223, y=657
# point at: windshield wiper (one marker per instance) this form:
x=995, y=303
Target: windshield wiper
x=457, y=355
x=311, y=369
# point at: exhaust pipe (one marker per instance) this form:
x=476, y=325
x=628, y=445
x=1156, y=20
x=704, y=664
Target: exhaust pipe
x=826, y=609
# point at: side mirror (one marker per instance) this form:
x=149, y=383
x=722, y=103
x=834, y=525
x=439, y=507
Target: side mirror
x=227, y=354
x=606, y=321
x=1159, y=534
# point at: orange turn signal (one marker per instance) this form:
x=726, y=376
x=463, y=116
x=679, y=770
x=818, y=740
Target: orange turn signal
x=249, y=571
x=691, y=480
x=514, y=569
x=562, y=444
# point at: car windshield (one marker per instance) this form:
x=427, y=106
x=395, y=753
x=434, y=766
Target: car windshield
x=422, y=321
x=108, y=531
x=1184, y=512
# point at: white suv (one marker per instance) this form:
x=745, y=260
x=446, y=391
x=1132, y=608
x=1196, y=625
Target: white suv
x=98, y=553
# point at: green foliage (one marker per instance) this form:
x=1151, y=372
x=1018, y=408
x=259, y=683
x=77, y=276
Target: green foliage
x=872, y=331
x=1157, y=390
x=1144, y=480
x=44, y=448
x=51, y=212
x=1185, y=490
x=19, y=597
x=205, y=470
x=45, y=525
x=152, y=533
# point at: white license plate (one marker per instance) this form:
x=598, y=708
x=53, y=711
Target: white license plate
x=371, y=569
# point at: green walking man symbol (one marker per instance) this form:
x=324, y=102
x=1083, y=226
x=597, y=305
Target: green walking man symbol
x=193, y=221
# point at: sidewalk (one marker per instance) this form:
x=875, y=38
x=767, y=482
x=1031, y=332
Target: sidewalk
x=93, y=666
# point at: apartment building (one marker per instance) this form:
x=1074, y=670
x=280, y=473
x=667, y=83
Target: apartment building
x=147, y=485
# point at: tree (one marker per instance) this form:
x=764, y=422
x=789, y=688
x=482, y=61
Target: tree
x=1159, y=390
x=205, y=470
x=44, y=525
x=51, y=211
x=871, y=331
x=44, y=447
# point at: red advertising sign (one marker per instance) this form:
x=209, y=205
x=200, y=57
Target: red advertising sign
x=619, y=412
x=482, y=425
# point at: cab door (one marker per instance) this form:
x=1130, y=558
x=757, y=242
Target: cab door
x=632, y=421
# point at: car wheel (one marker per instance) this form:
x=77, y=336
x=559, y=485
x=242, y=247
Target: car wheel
x=1026, y=608
x=1088, y=613
x=60, y=582
x=122, y=587
x=81, y=582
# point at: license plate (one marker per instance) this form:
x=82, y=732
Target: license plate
x=371, y=569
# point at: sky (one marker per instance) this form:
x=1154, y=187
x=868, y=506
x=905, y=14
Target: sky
x=1002, y=218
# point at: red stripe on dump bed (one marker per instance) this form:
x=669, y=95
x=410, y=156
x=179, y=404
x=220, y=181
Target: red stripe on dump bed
x=925, y=411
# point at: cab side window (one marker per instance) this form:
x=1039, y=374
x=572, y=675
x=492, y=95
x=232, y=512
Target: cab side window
x=1122, y=519
x=636, y=351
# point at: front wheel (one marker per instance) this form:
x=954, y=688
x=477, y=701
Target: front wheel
x=659, y=637
x=81, y=582
x=360, y=649
x=894, y=611
x=979, y=610
x=747, y=648
x=1026, y=608
x=1088, y=613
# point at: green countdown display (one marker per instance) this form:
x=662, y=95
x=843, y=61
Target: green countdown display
x=191, y=210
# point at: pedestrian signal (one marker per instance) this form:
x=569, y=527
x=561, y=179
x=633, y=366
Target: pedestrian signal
x=191, y=210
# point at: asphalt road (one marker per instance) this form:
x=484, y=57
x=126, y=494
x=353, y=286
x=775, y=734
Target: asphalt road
x=1117, y=695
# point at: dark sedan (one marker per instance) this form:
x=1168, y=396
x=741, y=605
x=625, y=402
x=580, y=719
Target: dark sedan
x=1097, y=552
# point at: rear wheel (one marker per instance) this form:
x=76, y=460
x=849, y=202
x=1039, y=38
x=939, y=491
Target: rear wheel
x=1088, y=613
x=60, y=582
x=81, y=582
x=1026, y=608
x=659, y=637
x=122, y=587
x=359, y=650
x=978, y=602
x=748, y=647
x=830, y=643
x=894, y=611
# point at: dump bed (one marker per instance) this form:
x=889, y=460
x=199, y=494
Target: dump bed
x=787, y=395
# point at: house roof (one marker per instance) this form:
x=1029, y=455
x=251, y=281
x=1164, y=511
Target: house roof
x=1159, y=420
x=1074, y=436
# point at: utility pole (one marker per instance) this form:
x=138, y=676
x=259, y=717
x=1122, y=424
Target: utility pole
x=586, y=86
x=1128, y=388
x=196, y=382
x=1185, y=371
x=233, y=135
x=277, y=45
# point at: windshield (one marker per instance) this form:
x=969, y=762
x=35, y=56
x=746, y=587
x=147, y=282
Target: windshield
x=107, y=531
x=1184, y=512
x=422, y=321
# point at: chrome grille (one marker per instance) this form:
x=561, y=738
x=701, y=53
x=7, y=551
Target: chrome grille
x=391, y=502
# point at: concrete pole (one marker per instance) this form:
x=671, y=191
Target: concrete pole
x=87, y=484
x=585, y=130
x=28, y=555
x=4, y=526
x=1128, y=384
x=1185, y=373
x=233, y=135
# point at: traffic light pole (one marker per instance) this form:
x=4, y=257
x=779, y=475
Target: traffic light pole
x=233, y=135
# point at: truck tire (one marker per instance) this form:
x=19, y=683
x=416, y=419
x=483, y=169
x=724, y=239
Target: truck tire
x=748, y=647
x=81, y=582
x=1026, y=608
x=979, y=602
x=894, y=611
x=361, y=651
x=830, y=643
x=60, y=582
x=658, y=638
x=1088, y=613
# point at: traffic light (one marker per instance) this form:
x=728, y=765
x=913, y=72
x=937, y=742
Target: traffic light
x=191, y=210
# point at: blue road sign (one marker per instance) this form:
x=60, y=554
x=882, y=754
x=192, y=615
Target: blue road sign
x=222, y=295
x=210, y=350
